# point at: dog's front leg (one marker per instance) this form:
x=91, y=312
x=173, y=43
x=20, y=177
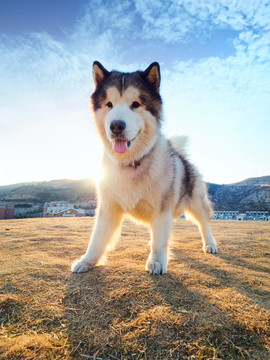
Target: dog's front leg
x=160, y=233
x=107, y=223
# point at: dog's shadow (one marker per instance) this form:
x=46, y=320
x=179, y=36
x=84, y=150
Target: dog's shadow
x=115, y=311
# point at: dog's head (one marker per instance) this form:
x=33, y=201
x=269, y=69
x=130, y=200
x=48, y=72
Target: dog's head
x=127, y=109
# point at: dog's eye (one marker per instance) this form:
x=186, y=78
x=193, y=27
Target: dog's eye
x=109, y=105
x=135, y=105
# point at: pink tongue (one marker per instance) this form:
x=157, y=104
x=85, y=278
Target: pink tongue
x=120, y=146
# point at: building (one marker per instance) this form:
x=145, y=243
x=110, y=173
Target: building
x=235, y=215
x=6, y=211
x=225, y=215
x=257, y=215
x=61, y=209
x=28, y=210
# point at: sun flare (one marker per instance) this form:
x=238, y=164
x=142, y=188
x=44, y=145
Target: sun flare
x=97, y=174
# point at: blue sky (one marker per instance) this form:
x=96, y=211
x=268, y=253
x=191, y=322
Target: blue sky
x=215, y=64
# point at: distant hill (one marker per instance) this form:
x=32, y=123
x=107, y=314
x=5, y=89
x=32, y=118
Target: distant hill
x=257, y=181
x=249, y=194
x=7, y=188
x=78, y=192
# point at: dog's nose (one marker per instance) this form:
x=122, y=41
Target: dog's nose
x=117, y=127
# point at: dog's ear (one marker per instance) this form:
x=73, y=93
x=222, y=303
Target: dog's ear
x=152, y=75
x=99, y=73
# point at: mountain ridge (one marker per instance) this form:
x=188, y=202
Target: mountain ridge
x=262, y=180
x=248, y=194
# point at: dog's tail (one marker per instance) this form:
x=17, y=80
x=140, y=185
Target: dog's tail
x=179, y=144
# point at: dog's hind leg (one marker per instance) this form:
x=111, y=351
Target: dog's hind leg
x=106, y=228
x=160, y=233
x=199, y=210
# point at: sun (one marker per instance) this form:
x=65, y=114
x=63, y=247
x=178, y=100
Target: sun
x=97, y=172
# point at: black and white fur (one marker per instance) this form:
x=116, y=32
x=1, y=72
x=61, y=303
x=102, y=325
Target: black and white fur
x=145, y=175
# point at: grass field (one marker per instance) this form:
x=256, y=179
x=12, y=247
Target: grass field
x=206, y=307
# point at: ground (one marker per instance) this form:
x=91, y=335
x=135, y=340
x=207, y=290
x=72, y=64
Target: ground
x=206, y=307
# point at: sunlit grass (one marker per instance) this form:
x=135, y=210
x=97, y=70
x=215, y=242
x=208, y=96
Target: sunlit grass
x=206, y=307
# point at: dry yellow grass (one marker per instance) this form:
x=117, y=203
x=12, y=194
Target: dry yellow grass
x=206, y=307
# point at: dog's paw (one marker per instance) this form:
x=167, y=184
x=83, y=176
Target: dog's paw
x=210, y=249
x=80, y=266
x=155, y=268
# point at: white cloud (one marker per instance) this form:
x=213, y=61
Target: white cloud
x=180, y=21
x=44, y=114
x=44, y=109
x=46, y=83
x=223, y=105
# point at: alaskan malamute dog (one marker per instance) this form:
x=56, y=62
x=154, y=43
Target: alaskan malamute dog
x=146, y=175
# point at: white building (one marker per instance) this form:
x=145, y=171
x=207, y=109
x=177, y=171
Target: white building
x=61, y=209
x=225, y=215
x=235, y=215
x=257, y=215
